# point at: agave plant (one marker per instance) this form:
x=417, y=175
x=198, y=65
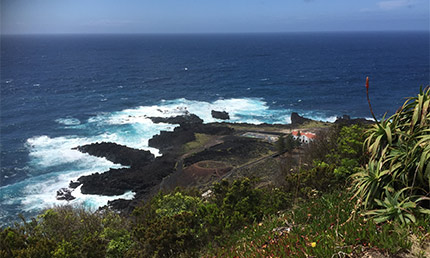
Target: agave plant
x=394, y=207
x=370, y=182
x=399, y=161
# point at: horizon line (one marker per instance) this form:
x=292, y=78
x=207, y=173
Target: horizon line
x=208, y=33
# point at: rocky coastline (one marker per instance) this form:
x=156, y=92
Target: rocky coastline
x=144, y=173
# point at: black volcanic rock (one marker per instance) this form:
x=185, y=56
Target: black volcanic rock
x=213, y=129
x=171, y=141
x=233, y=148
x=166, y=141
x=181, y=120
x=119, y=204
x=220, y=115
x=146, y=172
x=118, y=153
x=119, y=181
x=346, y=120
x=74, y=184
x=65, y=194
x=296, y=119
x=111, y=182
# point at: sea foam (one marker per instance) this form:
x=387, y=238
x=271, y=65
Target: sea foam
x=68, y=121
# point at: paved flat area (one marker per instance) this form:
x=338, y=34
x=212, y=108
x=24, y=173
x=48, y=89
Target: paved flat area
x=263, y=136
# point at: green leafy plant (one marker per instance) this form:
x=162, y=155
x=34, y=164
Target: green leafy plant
x=371, y=182
x=394, y=208
x=399, y=150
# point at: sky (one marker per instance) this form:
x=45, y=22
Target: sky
x=211, y=16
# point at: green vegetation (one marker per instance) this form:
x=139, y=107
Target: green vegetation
x=200, y=141
x=348, y=154
x=338, y=199
x=259, y=128
x=396, y=181
x=319, y=227
x=314, y=124
x=67, y=232
x=286, y=144
x=181, y=223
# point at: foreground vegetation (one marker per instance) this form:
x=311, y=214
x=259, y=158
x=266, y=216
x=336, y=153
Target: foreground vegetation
x=339, y=199
x=325, y=226
x=396, y=181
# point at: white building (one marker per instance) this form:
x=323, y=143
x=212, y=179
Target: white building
x=305, y=137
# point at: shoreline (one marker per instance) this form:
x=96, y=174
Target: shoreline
x=191, y=143
x=39, y=200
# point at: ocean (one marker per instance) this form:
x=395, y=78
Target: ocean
x=61, y=91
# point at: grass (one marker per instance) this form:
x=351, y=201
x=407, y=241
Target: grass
x=314, y=124
x=275, y=128
x=322, y=227
x=200, y=141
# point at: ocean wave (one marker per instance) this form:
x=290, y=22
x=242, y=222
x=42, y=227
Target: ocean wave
x=39, y=192
x=322, y=118
x=68, y=121
x=37, y=200
x=45, y=151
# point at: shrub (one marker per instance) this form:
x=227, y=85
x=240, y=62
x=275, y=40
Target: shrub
x=319, y=227
x=340, y=146
x=399, y=165
x=168, y=236
x=167, y=226
x=305, y=182
x=349, y=153
x=178, y=223
x=66, y=232
x=239, y=202
x=286, y=144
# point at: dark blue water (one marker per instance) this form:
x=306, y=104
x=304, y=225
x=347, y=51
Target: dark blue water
x=57, y=91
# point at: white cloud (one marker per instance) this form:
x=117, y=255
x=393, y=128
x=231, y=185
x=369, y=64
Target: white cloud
x=394, y=4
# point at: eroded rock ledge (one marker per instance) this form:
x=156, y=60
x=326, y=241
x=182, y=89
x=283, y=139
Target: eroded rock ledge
x=296, y=119
x=180, y=120
x=117, y=153
x=220, y=115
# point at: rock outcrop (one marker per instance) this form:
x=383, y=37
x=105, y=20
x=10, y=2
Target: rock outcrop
x=65, y=194
x=296, y=119
x=346, y=120
x=74, y=184
x=168, y=141
x=173, y=141
x=119, y=181
x=118, y=153
x=180, y=120
x=220, y=115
